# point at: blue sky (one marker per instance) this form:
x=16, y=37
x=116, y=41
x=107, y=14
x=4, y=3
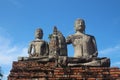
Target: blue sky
x=20, y=18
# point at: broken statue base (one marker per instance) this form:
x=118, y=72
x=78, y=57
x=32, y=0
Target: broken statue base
x=46, y=70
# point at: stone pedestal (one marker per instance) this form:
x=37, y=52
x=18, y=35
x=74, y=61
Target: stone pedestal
x=38, y=70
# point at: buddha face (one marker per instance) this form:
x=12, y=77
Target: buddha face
x=39, y=34
x=80, y=25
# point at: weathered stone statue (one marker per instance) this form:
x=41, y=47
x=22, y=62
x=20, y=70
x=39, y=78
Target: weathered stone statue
x=57, y=47
x=85, y=49
x=54, y=49
x=84, y=45
x=38, y=47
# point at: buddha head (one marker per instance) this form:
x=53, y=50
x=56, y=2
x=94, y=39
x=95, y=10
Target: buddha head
x=80, y=25
x=38, y=33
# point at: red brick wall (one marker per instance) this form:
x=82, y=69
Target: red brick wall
x=35, y=70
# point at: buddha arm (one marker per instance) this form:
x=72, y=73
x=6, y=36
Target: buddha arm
x=95, y=54
x=30, y=49
x=69, y=39
x=47, y=49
